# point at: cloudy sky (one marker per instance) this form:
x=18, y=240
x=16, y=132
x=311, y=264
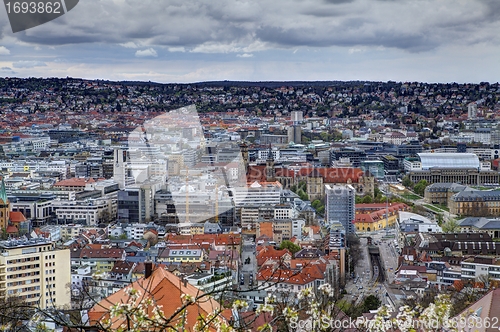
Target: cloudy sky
x=261, y=40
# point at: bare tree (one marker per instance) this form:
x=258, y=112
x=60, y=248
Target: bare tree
x=15, y=313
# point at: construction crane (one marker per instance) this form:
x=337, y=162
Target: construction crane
x=187, y=195
x=216, y=203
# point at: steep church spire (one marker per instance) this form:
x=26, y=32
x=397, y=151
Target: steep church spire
x=270, y=156
x=270, y=171
x=3, y=192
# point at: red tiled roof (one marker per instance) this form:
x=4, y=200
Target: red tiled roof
x=204, y=239
x=285, y=172
x=256, y=173
x=74, y=182
x=16, y=216
x=135, y=244
x=418, y=268
x=122, y=267
x=380, y=206
x=266, y=228
x=269, y=253
x=285, y=276
x=166, y=292
x=102, y=253
x=376, y=215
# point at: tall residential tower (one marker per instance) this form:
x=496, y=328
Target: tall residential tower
x=340, y=205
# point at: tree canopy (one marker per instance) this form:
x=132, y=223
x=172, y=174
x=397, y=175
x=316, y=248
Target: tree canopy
x=420, y=187
x=287, y=244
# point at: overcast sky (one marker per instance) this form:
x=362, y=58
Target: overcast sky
x=261, y=40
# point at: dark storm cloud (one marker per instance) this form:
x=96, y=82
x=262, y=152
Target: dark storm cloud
x=414, y=42
x=337, y=2
x=493, y=10
x=247, y=26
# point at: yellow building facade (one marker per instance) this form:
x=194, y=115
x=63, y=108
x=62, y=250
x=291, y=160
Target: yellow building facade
x=36, y=272
x=364, y=223
x=377, y=216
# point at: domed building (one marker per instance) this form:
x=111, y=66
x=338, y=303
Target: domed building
x=441, y=167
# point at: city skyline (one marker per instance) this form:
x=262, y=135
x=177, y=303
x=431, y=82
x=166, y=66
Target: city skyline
x=192, y=41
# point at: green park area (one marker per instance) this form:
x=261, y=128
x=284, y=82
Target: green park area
x=410, y=196
x=433, y=208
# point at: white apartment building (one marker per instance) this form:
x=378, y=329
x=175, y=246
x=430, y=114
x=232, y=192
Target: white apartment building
x=89, y=212
x=53, y=231
x=264, y=154
x=115, y=231
x=40, y=211
x=249, y=214
x=483, y=153
x=486, y=267
x=411, y=164
x=258, y=194
x=36, y=272
x=80, y=277
x=38, y=143
x=70, y=231
x=394, y=137
x=132, y=231
x=297, y=226
x=68, y=195
x=135, y=231
x=37, y=166
x=482, y=135
x=284, y=212
x=233, y=170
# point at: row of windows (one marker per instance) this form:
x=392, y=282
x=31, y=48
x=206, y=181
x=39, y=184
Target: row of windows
x=28, y=296
x=22, y=275
x=22, y=260
x=23, y=267
x=69, y=216
x=469, y=210
x=23, y=290
x=23, y=282
x=188, y=252
x=182, y=259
